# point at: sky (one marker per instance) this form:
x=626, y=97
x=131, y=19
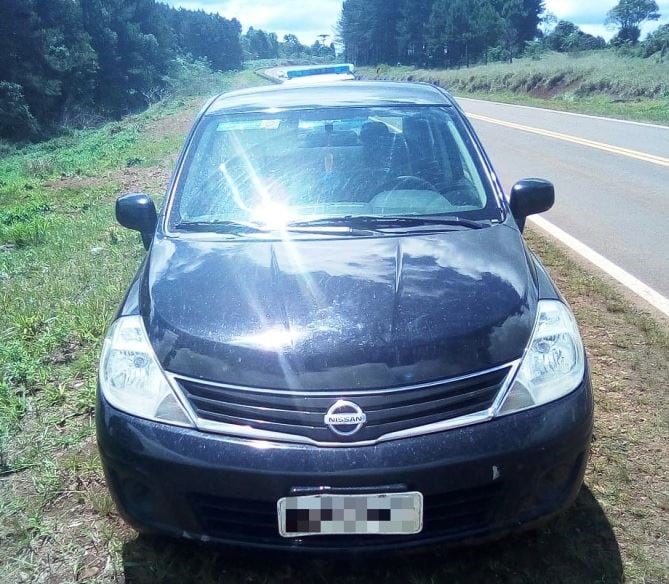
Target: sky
x=310, y=18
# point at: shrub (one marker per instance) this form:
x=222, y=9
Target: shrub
x=16, y=121
x=656, y=42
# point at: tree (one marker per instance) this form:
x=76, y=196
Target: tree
x=437, y=32
x=411, y=31
x=628, y=15
x=657, y=42
x=354, y=30
x=386, y=14
x=262, y=45
x=126, y=36
x=47, y=62
x=566, y=36
x=368, y=30
x=319, y=49
x=210, y=37
x=548, y=22
x=16, y=121
x=292, y=47
x=490, y=25
x=520, y=23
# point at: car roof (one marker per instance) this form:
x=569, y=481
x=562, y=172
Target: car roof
x=326, y=95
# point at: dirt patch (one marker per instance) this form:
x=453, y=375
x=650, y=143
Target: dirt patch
x=146, y=180
x=548, y=92
x=77, y=182
x=176, y=124
x=65, y=354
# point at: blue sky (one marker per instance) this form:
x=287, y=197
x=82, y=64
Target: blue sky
x=309, y=18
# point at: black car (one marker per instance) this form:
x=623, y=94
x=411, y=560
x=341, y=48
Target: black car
x=338, y=339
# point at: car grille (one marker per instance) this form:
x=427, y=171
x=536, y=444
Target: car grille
x=302, y=413
x=456, y=514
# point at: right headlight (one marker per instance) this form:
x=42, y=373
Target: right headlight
x=131, y=378
x=554, y=363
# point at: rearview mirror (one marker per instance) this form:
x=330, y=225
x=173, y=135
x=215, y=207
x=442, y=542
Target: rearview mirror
x=529, y=197
x=136, y=211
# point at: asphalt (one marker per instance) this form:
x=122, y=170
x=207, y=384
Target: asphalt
x=611, y=179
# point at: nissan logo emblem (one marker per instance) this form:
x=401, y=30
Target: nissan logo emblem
x=345, y=418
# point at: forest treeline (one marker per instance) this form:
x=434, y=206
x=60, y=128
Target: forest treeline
x=258, y=44
x=454, y=33
x=66, y=63
x=70, y=63
x=435, y=32
x=62, y=61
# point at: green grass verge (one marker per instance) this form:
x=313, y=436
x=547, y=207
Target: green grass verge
x=58, y=292
x=598, y=83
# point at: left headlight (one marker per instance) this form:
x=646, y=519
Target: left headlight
x=554, y=363
x=132, y=380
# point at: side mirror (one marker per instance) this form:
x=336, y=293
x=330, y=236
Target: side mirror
x=529, y=197
x=137, y=212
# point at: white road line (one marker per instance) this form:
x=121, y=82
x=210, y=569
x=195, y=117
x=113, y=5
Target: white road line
x=642, y=290
x=645, y=157
x=555, y=111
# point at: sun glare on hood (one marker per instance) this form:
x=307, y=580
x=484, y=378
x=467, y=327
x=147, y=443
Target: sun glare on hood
x=273, y=339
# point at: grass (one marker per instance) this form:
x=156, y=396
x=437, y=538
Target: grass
x=598, y=82
x=57, y=295
x=23, y=225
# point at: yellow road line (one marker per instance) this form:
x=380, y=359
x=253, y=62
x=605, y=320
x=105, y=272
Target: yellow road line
x=652, y=158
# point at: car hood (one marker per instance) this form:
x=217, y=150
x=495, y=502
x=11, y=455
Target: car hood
x=340, y=313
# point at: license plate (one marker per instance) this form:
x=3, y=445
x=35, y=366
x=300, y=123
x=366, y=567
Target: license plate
x=379, y=514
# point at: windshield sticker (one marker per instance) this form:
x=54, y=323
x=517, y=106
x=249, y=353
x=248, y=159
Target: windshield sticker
x=239, y=125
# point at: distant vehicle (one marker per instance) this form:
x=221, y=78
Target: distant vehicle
x=339, y=339
x=320, y=73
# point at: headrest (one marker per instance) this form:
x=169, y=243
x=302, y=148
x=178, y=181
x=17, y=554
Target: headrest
x=373, y=132
x=418, y=128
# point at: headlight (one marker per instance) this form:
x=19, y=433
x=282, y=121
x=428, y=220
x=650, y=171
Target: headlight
x=132, y=380
x=554, y=363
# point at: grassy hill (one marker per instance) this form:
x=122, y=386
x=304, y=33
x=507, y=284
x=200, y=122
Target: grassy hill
x=596, y=82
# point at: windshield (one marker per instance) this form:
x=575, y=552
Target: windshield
x=273, y=170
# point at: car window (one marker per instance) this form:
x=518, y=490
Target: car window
x=469, y=170
x=296, y=165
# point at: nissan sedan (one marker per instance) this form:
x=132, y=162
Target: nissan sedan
x=338, y=339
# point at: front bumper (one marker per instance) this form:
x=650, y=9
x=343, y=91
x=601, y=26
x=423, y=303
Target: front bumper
x=478, y=481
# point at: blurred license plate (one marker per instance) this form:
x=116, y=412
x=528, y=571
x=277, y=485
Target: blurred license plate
x=381, y=514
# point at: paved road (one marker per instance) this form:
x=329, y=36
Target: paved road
x=611, y=179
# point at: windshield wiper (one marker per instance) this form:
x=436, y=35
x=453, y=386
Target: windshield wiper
x=356, y=224
x=388, y=222
x=220, y=226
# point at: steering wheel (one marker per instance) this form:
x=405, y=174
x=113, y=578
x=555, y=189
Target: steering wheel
x=462, y=192
x=409, y=183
